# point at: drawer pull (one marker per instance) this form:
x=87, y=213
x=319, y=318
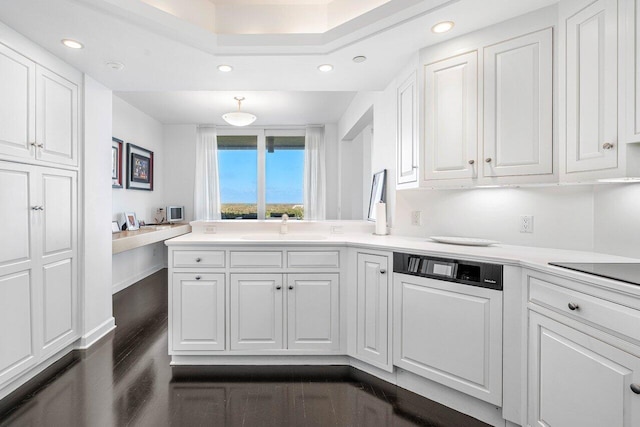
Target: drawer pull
x=198, y=277
x=471, y=162
x=198, y=259
x=635, y=388
x=278, y=287
x=573, y=306
x=488, y=159
x=607, y=146
x=383, y=271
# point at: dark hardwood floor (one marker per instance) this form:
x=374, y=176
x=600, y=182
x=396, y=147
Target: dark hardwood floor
x=126, y=380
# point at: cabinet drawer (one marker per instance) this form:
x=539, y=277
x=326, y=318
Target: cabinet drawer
x=256, y=259
x=616, y=317
x=198, y=259
x=313, y=259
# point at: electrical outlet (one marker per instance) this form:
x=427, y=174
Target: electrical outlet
x=336, y=229
x=526, y=224
x=211, y=229
x=416, y=218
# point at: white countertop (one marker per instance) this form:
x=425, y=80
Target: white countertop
x=524, y=256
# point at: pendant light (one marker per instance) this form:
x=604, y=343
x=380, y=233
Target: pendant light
x=239, y=118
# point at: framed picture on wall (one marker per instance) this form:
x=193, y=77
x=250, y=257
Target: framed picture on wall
x=139, y=168
x=116, y=163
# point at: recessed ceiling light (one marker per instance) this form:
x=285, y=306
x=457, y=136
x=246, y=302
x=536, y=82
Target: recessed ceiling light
x=114, y=65
x=359, y=58
x=442, y=27
x=325, y=68
x=225, y=68
x=73, y=44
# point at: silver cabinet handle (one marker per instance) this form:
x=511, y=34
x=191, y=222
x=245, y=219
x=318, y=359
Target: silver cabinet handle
x=383, y=271
x=278, y=287
x=635, y=388
x=488, y=159
x=573, y=306
x=33, y=144
x=37, y=208
x=471, y=162
x=607, y=146
x=198, y=259
x=40, y=145
x=290, y=287
x=198, y=277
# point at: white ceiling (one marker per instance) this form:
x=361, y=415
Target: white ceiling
x=172, y=62
x=272, y=108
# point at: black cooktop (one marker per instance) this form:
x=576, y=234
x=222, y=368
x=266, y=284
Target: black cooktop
x=629, y=273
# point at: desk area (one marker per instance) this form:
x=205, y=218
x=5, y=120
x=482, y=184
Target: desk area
x=146, y=235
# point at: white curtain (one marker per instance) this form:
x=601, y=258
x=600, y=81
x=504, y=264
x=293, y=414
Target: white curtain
x=206, y=202
x=314, y=174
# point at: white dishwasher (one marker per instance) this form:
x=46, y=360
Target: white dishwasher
x=448, y=322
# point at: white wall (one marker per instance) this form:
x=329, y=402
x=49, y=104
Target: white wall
x=133, y=126
x=96, y=244
x=179, y=165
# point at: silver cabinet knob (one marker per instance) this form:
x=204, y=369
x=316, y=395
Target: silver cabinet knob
x=635, y=388
x=198, y=259
x=40, y=145
x=573, y=306
x=33, y=144
x=278, y=287
x=607, y=146
x=35, y=208
x=290, y=287
x=488, y=159
x=383, y=271
x=198, y=277
x=471, y=162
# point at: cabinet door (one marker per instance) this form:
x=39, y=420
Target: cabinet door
x=197, y=321
x=17, y=334
x=17, y=109
x=450, y=333
x=372, y=319
x=58, y=224
x=631, y=14
x=256, y=311
x=408, y=131
x=313, y=311
x=57, y=118
x=577, y=380
x=451, y=118
x=591, y=88
x=518, y=106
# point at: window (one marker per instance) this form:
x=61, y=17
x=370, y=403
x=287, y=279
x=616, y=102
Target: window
x=261, y=173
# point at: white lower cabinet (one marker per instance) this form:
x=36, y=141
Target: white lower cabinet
x=38, y=268
x=259, y=303
x=578, y=380
x=372, y=334
x=449, y=333
x=256, y=311
x=198, y=311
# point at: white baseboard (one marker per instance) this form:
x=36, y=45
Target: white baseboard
x=117, y=287
x=91, y=337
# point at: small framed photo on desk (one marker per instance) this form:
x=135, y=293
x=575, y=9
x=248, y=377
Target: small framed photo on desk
x=115, y=227
x=132, y=221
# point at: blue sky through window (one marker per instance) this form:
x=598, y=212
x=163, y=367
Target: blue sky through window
x=238, y=176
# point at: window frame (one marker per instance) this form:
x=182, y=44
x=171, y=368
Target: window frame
x=261, y=134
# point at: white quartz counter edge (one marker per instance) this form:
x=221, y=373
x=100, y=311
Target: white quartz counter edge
x=522, y=256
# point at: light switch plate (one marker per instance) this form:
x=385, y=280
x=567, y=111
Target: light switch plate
x=416, y=218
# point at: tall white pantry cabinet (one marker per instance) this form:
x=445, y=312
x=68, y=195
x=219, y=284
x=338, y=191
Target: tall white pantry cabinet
x=39, y=128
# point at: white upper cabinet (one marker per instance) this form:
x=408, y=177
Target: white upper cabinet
x=631, y=55
x=39, y=112
x=451, y=117
x=57, y=118
x=518, y=106
x=591, y=84
x=408, y=132
x=17, y=109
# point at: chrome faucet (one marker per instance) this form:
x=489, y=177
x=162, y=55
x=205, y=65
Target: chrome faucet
x=284, y=229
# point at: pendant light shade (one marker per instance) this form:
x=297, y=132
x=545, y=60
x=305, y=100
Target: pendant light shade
x=239, y=118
